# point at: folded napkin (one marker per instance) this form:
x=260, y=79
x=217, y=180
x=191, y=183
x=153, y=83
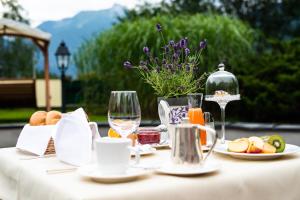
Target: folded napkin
x=73, y=141
x=35, y=139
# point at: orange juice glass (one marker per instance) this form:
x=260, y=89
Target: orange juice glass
x=196, y=117
x=195, y=113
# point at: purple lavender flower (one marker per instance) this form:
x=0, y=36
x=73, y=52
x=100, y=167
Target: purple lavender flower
x=172, y=43
x=146, y=50
x=182, y=43
x=187, y=51
x=167, y=49
x=186, y=41
x=174, y=60
x=127, y=65
x=203, y=44
x=158, y=27
x=175, y=56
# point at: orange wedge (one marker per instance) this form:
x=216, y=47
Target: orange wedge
x=112, y=133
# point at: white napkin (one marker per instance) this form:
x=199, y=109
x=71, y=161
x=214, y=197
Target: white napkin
x=35, y=139
x=73, y=142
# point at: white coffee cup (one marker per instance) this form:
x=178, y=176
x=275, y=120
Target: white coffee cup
x=113, y=155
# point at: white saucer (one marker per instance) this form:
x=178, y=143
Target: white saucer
x=144, y=151
x=188, y=170
x=92, y=172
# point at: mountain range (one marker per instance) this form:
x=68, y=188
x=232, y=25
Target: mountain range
x=75, y=30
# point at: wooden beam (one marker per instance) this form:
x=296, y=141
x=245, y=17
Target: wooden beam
x=47, y=79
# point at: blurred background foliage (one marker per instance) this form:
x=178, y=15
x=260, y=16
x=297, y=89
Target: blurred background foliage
x=270, y=85
x=258, y=41
x=275, y=18
x=100, y=60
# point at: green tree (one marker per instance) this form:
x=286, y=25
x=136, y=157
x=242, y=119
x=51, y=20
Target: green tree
x=16, y=54
x=171, y=8
x=102, y=57
x=270, y=85
x=14, y=10
x=275, y=18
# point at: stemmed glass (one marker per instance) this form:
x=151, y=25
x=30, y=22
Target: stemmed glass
x=222, y=87
x=124, y=112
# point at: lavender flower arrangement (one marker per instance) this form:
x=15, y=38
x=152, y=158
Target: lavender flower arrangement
x=173, y=74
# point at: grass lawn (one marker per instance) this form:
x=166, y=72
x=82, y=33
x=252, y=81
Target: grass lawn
x=20, y=115
x=15, y=115
x=98, y=118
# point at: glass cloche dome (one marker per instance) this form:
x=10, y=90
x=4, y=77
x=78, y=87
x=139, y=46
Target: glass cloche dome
x=222, y=82
x=222, y=87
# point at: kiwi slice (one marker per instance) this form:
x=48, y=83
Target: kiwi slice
x=278, y=142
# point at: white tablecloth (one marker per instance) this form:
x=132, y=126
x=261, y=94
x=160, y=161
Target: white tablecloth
x=22, y=178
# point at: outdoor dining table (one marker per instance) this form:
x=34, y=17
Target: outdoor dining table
x=23, y=176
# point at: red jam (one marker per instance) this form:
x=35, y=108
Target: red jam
x=148, y=137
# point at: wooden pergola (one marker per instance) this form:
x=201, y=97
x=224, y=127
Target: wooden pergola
x=41, y=39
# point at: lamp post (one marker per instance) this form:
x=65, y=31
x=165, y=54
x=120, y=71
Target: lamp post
x=62, y=55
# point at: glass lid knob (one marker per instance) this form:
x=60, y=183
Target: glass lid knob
x=221, y=67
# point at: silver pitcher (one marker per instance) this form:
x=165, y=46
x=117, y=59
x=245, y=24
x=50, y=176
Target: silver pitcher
x=186, y=148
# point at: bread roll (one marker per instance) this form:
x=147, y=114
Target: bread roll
x=38, y=118
x=53, y=117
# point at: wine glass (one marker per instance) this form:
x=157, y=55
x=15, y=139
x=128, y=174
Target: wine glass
x=222, y=87
x=124, y=112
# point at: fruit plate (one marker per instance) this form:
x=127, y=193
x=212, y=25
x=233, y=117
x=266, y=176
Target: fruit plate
x=289, y=149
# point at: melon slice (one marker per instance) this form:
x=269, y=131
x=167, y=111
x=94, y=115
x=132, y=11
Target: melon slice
x=239, y=145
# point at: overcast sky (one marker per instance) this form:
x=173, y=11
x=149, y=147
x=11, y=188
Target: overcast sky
x=43, y=10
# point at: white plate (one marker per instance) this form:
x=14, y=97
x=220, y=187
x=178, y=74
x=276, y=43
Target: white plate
x=185, y=170
x=91, y=171
x=289, y=149
x=145, y=151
